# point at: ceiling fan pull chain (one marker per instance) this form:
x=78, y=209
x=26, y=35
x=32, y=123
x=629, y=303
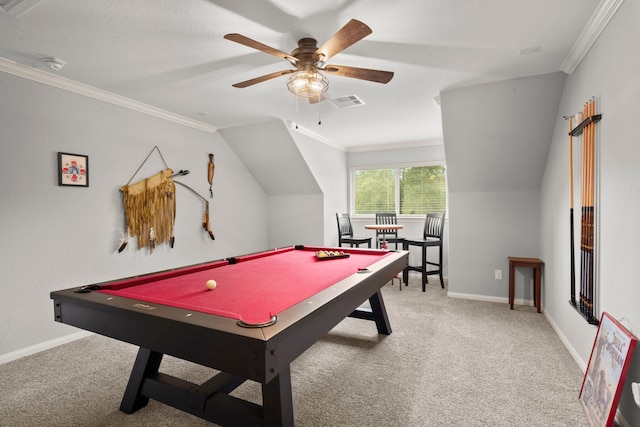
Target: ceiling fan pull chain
x=297, y=114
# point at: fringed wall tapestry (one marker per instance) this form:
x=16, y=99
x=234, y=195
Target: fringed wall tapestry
x=150, y=208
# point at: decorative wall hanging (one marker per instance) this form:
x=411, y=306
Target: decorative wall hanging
x=150, y=208
x=73, y=170
x=212, y=167
x=609, y=363
x=586, y=304
x=205, y=216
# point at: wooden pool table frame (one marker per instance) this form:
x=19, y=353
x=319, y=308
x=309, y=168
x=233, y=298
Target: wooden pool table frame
x=261, y=354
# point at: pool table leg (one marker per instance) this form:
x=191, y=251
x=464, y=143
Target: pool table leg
x=377, y=313
x=380, y=313
x=147, y=363
x=277, y=400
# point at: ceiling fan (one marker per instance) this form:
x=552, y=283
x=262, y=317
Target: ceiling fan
x=308, y=59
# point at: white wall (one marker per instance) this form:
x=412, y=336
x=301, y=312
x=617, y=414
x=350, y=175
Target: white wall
x=58, y=237
x=610, y=73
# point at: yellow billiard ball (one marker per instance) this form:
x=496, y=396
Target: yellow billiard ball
x=211, y=284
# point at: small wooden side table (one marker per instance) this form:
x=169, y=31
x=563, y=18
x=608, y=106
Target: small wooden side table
x=534, y=263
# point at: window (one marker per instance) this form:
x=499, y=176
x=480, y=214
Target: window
x=411, y=190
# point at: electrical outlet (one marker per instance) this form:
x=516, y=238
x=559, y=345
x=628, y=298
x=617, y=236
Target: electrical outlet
x=498, y=274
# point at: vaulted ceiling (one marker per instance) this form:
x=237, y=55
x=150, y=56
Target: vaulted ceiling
x=172, y=55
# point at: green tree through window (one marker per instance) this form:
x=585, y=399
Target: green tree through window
x=412, y=190
x=422, y=190
x=375, y=190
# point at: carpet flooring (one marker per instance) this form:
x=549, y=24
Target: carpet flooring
x=448, y=362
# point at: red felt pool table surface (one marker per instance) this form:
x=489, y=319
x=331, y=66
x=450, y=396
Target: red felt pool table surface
x=172, y=313
x=251, y=288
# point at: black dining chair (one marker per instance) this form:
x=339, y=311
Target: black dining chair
x=345, y=232
x=431, y=237
x=387, y=235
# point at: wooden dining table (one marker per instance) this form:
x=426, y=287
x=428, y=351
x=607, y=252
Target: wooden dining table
x=384, y=227
x=383, y=244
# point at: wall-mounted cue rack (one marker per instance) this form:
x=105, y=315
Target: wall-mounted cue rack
x=577, y=131
x=586, y=304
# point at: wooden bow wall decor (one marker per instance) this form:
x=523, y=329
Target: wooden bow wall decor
x=150, y=207
x=586, y=304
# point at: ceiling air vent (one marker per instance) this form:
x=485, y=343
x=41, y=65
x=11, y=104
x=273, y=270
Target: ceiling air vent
x=347, y=101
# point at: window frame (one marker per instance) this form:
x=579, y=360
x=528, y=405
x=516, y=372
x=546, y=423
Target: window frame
x=352, y=189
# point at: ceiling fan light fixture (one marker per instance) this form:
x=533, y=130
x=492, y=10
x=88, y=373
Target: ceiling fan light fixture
x=307, y=84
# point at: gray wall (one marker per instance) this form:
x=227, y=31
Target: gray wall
x=526, y=211
x=304, y=181
x=56, y=237
x=329, y=166
x=496, y=142
x=610, y=73
x=59, y=237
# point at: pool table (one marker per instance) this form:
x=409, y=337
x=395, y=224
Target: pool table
x=266, y=310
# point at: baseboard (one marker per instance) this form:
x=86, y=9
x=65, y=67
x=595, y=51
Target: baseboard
x=37, y=348
x=581, y=363
x=620, y=420
x=485, y=298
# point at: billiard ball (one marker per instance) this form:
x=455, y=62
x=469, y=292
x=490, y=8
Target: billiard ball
x=211, y=284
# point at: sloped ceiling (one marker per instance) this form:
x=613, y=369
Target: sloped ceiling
x=172, y=55
x=272, y=157
x=497, y=135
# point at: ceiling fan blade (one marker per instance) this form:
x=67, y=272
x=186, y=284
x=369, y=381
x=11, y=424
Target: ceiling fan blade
x=263, y=78
x=351, y=33
x=239, y=38
x=377, y=76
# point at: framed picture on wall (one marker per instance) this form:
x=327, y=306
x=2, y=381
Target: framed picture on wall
x=73, y=170
x=606, y=372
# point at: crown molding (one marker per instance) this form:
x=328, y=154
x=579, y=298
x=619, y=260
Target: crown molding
x=53, y=80
x=17, y=7
x=596, y=25
x=409, y=144
x=296, y=127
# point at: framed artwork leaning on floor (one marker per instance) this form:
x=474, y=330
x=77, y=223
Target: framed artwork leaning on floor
x=609, y=362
